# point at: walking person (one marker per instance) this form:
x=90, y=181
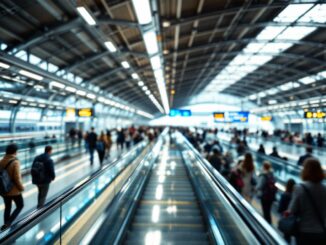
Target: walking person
x=80, y=137
x=247, y=168
x=307, y=155
x=43, y=174
x=285, y=201
x=100, y=147
x=308, y=204
x=108, y=142
x=120, y=139
x=91, y=142
x=266, y=190
x=11, y=165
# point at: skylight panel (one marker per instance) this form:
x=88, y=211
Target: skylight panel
x=292, y=12
x=296, y=32
x=316, y=14
x=270, y=32
x=275, y=47
x=239, y=59
x=272, y=91
x=253, y=97
x=253, y=47
x=296, y=85
x=247, y=68
x=286, y=86
x=262, y=94
x=259, y=59
x=307, y=80
x=321, y=75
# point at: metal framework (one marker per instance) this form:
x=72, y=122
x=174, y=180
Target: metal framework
x=199, y=39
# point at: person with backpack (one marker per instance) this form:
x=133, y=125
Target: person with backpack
x=266, y=190
x=43, y=174
x=11, y=185
x=236, y=178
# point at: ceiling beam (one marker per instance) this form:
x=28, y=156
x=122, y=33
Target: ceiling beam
x=38, y=38
x=218, y=13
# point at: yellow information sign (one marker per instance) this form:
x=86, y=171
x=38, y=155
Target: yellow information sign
x=267, y=118
x=219, y=115
x=70, y=112
x=311, y=114
x=85, y=112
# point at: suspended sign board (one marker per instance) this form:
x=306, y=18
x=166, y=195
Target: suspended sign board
x=219, y=116
x=70, y=112
x=180, y=113
x=231, y=116
x=311, y=114
x=267, y=118
x=85, y=112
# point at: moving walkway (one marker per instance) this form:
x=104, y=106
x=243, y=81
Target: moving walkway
x=165, y=193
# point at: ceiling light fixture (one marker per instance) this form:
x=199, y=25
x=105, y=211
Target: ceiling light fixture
x=57, y=85
x=31, y=75
x=151, y=42
x=143, y=11
x=134, y=76
x=70, y=89
x=4, y=65
x=91, y=96
x=86, y=16
x=81, y=93
x=125, y=64
x=110, y=46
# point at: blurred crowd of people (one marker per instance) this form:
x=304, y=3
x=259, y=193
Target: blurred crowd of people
x=102, y=142
x=305, y=200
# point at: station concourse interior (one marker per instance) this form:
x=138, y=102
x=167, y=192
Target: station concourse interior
x=163, y=122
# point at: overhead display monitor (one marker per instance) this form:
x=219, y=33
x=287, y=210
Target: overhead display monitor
x=238, y=116
x=219, y=116
x=70, y=112
x=267, y=118
x=85, y=112
x=314, y=114
x=180, y=113
x=231, y=116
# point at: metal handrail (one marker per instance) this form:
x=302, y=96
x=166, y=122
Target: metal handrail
x=26, y=223
x=252, y=218
x=137, y=175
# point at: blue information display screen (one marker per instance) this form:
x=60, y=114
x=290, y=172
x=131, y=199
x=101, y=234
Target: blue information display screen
x=238, y=116
x=231, y=116
x=180, y=113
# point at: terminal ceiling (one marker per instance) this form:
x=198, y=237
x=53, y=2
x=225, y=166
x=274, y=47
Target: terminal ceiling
x=199, y=39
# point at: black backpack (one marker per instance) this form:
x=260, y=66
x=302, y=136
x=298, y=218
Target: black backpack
x=6, y=183
x=38, y=172
x=270, y=189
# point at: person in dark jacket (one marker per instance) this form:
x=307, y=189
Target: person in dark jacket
x=261, y=149
x=285, y=201
x=91, y=142
x=120, y=139
x=275, y=153
x=49, y=175
x=286, y=196
x=216, y=159
x=308, y=204
x=305, y=156
x=320, y=140
x=266, y=190
x=12, y=165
